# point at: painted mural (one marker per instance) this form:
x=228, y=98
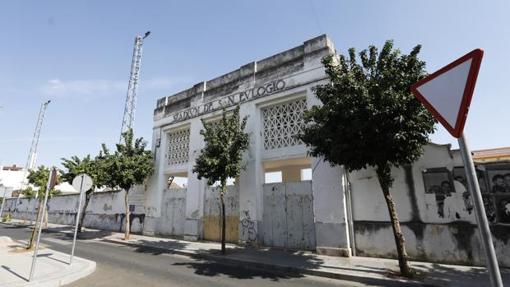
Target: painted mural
x=494, y=180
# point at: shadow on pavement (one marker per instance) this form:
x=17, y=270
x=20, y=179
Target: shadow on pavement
x=48, y=255
x=439, y=273
x=16, y=274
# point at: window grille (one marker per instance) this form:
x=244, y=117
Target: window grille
x=178, y=147
x=282, y=123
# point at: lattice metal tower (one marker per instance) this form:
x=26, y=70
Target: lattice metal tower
x=32, y=154
x=130, y=105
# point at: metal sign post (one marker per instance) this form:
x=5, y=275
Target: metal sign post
x=447, y=94
x=481, y=217
x=3, y=202
x=81, y=182
x=51, y=182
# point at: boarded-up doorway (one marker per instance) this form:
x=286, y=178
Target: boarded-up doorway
x=173, y=212
x=287, y=219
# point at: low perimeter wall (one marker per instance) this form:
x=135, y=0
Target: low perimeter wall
x=105, y=211
x=435, y=210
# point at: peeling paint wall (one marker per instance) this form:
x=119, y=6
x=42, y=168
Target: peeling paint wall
x=438, y=226
x=212, y=214
x=288, y=220
x=173, y=212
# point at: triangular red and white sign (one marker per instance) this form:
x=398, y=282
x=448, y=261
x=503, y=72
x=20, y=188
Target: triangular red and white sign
x=447, y=93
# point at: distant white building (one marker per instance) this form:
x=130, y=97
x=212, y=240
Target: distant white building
x=12, y=177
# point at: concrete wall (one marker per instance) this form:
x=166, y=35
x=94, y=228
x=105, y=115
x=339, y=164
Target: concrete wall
x=435, y=230
x=105, y=211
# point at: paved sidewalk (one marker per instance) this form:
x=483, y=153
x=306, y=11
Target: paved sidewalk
x=52, y=268
x=367, y=270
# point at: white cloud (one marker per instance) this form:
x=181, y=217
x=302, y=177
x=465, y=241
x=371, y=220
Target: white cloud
x=81, y=88
x=159, y=83
x=91, y=89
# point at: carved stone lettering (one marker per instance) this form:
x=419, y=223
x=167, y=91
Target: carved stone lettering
x=230, y=100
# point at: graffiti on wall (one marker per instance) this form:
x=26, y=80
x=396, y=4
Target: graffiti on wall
x=494, y=180
x=248, y=231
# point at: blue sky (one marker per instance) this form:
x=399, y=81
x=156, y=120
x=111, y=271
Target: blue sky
x=78, y=53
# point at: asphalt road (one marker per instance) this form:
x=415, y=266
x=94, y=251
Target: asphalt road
x=119, y=265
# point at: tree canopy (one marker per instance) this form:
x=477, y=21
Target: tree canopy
x=225, y=142
x=369, y=116
x=39, y=179
x=75, y=166
x=129, y=165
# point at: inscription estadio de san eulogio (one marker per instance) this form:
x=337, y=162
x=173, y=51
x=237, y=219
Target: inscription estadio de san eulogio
x=231, y=100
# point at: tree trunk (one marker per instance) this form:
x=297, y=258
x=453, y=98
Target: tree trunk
x=223, y=220
x=126, y=221
x=31, y=242
x=385, y=180
x=88, y=195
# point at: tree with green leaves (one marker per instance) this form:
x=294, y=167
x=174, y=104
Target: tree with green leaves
x=221, y=157
x=75, y=166
x=369, y=118
x=38, y=178
x=131, y=164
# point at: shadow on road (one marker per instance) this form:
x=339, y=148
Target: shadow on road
x=67, y=233
x=211, y=269
x=259, y=264
x=160, y=247
x=17, y=226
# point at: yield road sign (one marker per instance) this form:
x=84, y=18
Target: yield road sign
x=447, y=93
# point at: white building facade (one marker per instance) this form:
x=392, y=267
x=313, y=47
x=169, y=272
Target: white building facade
x=273, y=93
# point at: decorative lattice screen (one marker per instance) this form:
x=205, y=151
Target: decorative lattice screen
x=282, y=123
x=214, y=124
x=178, y=147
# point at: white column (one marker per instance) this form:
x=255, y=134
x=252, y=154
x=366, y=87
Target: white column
x=196, y=188
x=251, y=179
x=157, y=183
x=329, y=204
x=331, y=229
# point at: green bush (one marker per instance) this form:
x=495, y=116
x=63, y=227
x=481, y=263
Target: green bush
x=6, y=217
